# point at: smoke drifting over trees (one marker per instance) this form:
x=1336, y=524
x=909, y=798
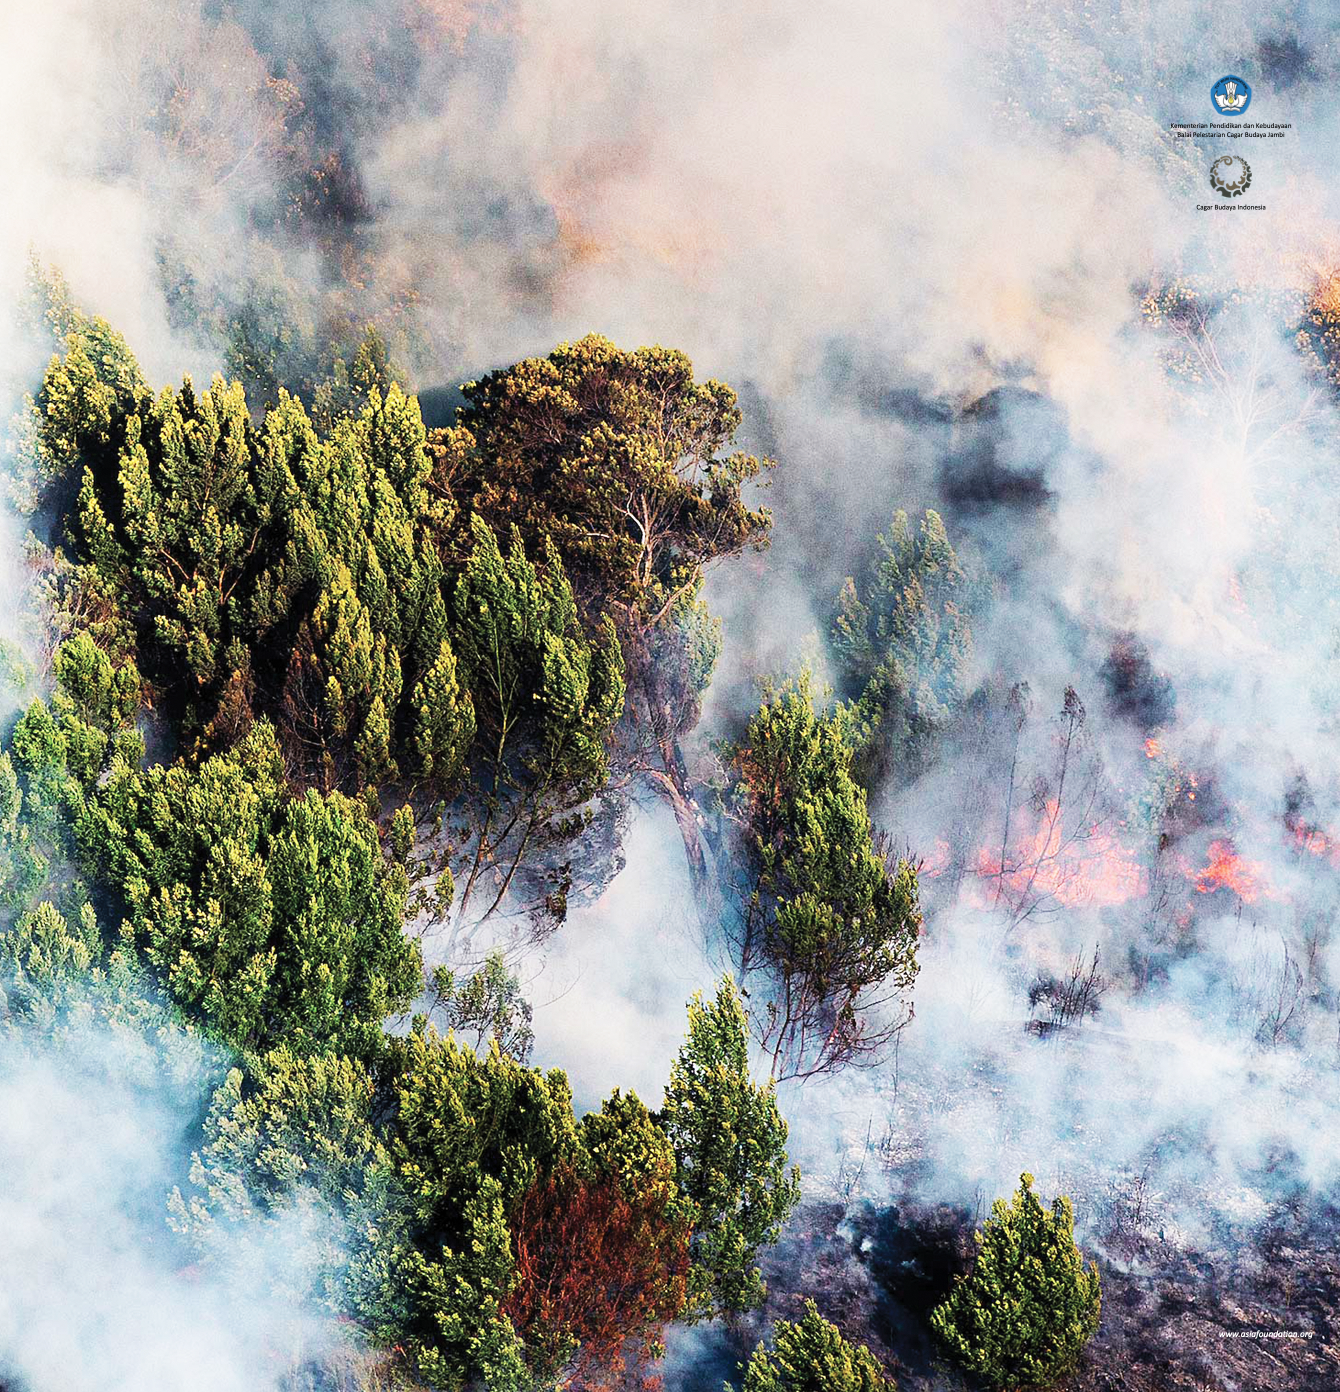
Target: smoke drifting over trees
x=1053, y=514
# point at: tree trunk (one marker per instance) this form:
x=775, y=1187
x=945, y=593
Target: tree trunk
x=671, y=786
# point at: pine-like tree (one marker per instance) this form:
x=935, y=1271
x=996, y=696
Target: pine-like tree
x=902, y=636
x=730, y=1153
x=1023, y=1316
x=828, y=924
x=812, y=1356
x=546, y=697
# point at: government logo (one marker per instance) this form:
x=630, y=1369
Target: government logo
x=1230, y=175
x=1231, y=96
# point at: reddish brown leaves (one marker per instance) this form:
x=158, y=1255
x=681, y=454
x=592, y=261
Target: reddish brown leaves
x=597, y=1267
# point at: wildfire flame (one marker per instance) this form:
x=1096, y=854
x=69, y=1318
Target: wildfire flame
x=1093, y=870
x=935, y=861
x=1314, y=841
x=1228, y=870
x=1097, y=869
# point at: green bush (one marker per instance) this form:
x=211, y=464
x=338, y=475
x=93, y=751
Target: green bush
x=812, y=1356
x=1023, y=1316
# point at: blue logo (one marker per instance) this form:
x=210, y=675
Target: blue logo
x=1231, y=96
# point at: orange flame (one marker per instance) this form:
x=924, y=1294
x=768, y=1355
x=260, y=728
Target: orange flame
x=1228, y=870
x=1093, y=870
x=1314, y=841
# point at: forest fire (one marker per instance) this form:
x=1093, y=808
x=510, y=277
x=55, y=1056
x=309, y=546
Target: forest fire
x=851, y=664
x=1310, y=840
x=1068, y=868
x=1226, y=869
x=1094, y=868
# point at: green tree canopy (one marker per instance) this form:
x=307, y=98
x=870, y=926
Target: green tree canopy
x=474, y=1223
x=546, y=699
x=270, y=917
x=828, y=920
x=617, y=458
x=902, y=636
x=291, y=1135
x=812, y=1356
x=1023, y=1316
x=623, y=462
x=730, y=1151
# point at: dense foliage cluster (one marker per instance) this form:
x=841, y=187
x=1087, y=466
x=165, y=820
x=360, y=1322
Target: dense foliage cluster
x=313, y=675
x=730, y=1155
x=828, y=918
x=811, y=1355
x=471, y=1220
x=291, y=658
x=490, y=620
x=1023, y=1316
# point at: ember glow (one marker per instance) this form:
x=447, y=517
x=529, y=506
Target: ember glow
x=1090, y=868
x=936, y=861
x=1313, y=841
x=1226, y=869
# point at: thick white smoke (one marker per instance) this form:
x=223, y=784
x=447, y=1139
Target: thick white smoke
x=98, y=1296
x=943, y=199
x=864, y=215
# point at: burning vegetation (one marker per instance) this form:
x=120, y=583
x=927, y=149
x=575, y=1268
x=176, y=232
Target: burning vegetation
x=1013, y=843
x=500, y=697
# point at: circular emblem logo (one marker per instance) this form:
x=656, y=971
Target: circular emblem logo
x=1230, y=176
x=1231, y=96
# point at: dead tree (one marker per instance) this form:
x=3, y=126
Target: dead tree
x=1068, y=999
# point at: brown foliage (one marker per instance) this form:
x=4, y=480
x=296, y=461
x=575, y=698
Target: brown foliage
x=599, y=1268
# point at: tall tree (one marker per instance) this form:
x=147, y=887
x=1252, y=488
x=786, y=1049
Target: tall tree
x=545, y=697
x=729, y=1141
x=486, y=1004
x=1023, y=1316
x=57, y=752
x=622, y=460
x=615, y=456
x=467, y=1138
x=828, y=918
